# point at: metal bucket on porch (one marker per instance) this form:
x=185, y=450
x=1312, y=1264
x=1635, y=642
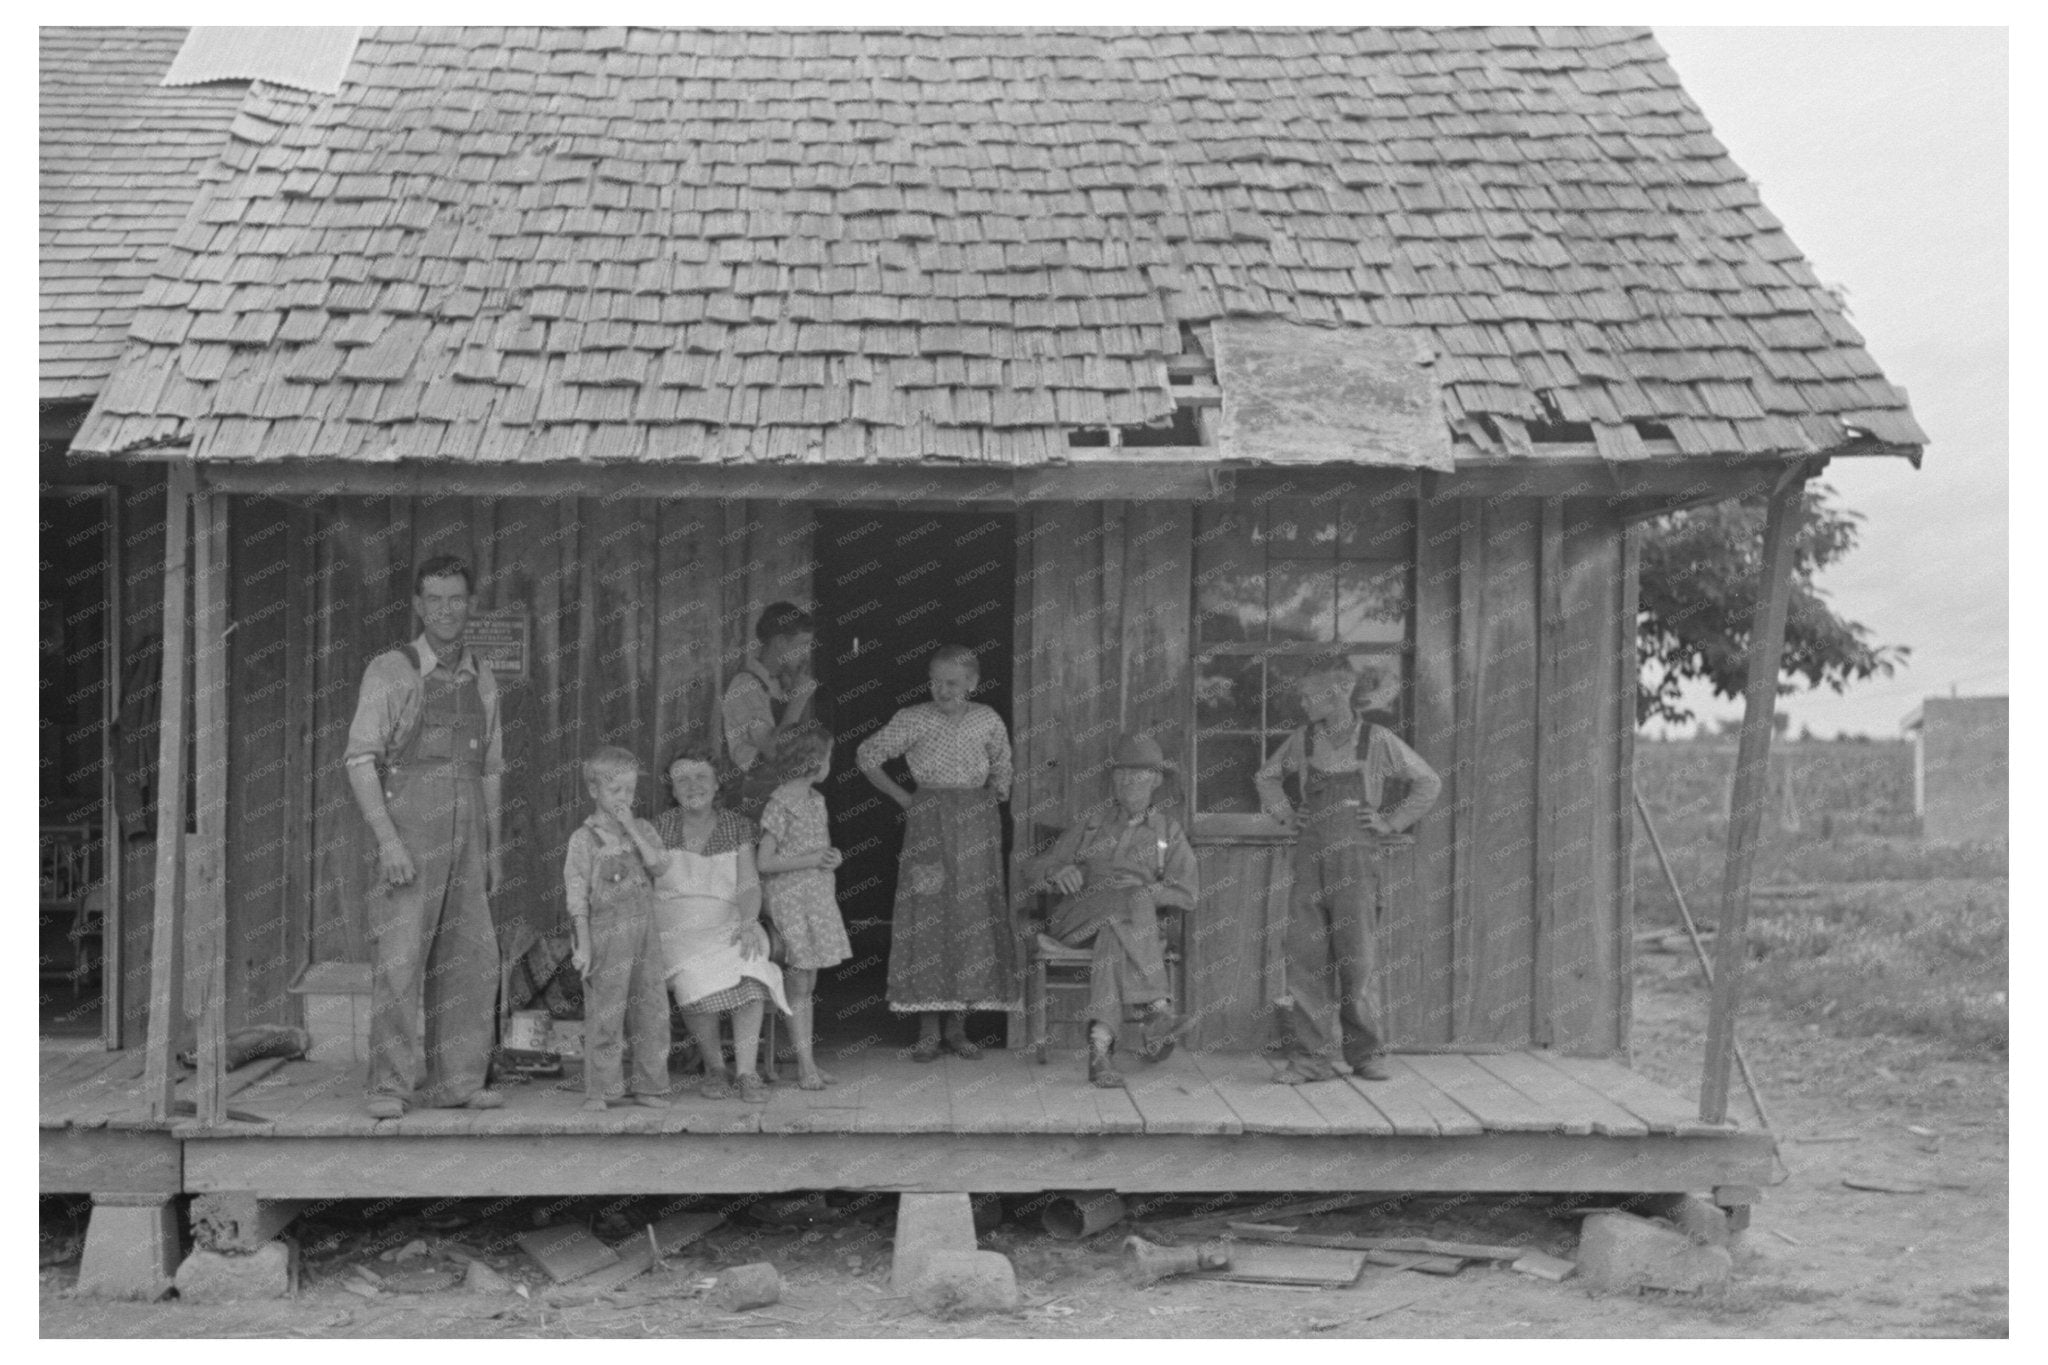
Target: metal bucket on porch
x=528, y=1031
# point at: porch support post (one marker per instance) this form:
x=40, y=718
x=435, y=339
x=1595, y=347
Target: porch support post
x=1752, y=769
x=167, y=928
x=207, y=913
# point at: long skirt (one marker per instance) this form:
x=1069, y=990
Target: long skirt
x=951, y=945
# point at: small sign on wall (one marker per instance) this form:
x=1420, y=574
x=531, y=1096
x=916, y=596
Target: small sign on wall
x=502, y=640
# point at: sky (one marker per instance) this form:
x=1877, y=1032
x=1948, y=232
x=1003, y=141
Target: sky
x=1884, y=153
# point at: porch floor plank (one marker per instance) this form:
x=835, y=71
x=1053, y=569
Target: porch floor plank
x=1245, y=1082
x=1606, y=1117
x=116, y=1089
x=1452, y=1118
x=1071, y=1105
x=1175, y=1097
x=992, y=1096
x=1400, y=1101
x=1538, y=1084
x=68, y=1088
x=1664, y=1110
x=1497, y=1106
x=1347, y=1109
x=900, y=1096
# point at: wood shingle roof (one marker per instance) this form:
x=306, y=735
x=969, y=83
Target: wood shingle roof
x=120, y=165
x=521, y=244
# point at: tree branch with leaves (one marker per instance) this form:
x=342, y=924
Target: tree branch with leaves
x=1699, y=585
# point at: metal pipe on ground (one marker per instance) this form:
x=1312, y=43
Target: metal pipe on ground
x=1074, y=1214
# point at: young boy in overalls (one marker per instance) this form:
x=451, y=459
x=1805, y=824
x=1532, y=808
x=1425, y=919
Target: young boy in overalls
x=608, y=875
x=1332, y=1011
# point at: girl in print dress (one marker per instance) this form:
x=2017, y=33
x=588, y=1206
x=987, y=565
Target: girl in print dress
x=796, y=861
x=951, y=945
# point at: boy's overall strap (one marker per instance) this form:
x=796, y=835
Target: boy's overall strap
x=412, y=656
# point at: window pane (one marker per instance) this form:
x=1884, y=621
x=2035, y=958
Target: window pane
x=1300, y=529
x=1227, y=688
x=1302, y=601
x=1382, y=695
x=1224, y=766
x=1372, y=603
x=1230, y=585
x=1382, y=529
x=1283, y=692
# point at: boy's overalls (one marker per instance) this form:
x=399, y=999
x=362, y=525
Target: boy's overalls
x=1331, y=944
x=625, y=995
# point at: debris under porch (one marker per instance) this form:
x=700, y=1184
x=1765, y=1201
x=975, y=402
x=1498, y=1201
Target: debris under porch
x=1508, y=1121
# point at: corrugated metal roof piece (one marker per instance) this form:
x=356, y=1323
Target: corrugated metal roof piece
x=313, y=59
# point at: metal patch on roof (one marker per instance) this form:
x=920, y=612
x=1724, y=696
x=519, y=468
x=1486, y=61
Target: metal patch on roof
x=312, y=58
x=1294, y=394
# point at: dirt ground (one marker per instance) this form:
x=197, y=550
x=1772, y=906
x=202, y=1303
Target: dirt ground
x=1820, y=1258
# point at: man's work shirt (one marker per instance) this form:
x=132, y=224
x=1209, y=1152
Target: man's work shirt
x=1152, y=849
x=388, y=708
x=748, y=712
x=1373, y=751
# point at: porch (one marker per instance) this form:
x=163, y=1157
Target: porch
x=1486, y=1121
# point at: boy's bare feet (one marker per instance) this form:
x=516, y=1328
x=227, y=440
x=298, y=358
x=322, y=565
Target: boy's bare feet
x=753, y=1089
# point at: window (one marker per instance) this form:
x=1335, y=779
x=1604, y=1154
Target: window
x=1278, y=582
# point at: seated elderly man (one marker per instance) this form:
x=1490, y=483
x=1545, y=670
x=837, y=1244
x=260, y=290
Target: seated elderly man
x=1113, y=871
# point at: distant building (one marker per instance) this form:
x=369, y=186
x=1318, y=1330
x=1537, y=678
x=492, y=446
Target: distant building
x=1959, y=767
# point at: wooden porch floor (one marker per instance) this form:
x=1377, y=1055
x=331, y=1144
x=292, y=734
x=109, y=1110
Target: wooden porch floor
x=1518, y=1120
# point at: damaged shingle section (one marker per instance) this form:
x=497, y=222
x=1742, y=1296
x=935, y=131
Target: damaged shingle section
x=607, y=244
x=120, y=162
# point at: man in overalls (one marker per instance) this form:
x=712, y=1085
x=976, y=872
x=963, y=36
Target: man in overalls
x=1332, y=1011
x=423, y=759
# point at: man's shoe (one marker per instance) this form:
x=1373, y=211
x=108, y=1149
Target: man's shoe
x=1372, y=1068
x=1102, y=1072
x=484, y=1099
x=385, y=1107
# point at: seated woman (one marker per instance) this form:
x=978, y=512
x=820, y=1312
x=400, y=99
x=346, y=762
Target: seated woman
x=707, y=908
x=1114, y=870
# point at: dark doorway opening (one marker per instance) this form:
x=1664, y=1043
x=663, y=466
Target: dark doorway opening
x=73, y=698
x=891, y=588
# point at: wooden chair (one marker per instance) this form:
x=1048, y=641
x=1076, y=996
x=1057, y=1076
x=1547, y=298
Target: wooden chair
x=1050, y=965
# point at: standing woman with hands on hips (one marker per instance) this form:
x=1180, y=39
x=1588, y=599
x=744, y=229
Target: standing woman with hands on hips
x=951, y=945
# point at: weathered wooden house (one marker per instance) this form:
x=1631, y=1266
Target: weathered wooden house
x=1146, y=362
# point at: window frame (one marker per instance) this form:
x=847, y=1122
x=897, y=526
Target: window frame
x=1256, y=826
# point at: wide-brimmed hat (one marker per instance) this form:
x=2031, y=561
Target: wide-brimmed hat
x=1140, y=751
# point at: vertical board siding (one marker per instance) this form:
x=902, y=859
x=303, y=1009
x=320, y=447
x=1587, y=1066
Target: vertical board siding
x=1590, y=790
x=1420, y=895
x=1504, y=823
x=260, y=744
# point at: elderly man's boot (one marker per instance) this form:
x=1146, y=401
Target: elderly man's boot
x=1102, y=1072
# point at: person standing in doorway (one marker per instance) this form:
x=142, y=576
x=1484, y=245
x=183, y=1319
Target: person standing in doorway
x=771, y=696
x=951, y=944
x=423, y=759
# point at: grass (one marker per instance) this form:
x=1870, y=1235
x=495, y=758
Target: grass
x=1916, y=958
x=1907, y=937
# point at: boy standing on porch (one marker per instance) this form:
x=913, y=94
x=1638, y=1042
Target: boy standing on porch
x=608, y=875
x=1333, y=1009
x=423, y=759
